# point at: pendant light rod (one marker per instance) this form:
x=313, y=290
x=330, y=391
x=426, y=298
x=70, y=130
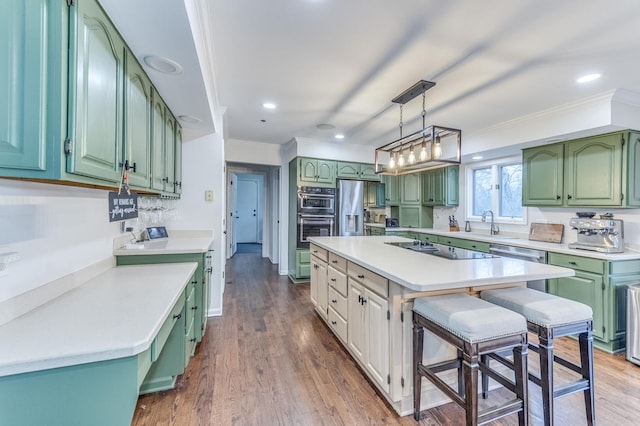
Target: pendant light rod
x=417, y=89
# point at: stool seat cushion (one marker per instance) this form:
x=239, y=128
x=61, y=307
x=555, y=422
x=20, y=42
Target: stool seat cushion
x=470, y=318
x=538, y=307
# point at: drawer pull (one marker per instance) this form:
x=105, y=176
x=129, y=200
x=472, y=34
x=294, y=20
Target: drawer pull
x=193, y=340
x=193, y=308
x=334, y=261
x=361, y=276
x=333, y=279
x=177, y=317
x=573, y=263
x=334, y=301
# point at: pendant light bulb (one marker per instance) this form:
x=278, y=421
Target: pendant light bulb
x=423, y=153
x=412, y=156
x=401, y=160
x=437, y=148
x=392, y=161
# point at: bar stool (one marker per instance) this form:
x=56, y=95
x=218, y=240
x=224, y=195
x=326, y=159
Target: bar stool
x=475, y=327
x=550, y=317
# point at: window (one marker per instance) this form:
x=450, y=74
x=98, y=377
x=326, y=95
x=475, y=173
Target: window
x=496, y=187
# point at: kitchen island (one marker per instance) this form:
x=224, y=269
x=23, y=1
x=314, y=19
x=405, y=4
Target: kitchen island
x=364, y=288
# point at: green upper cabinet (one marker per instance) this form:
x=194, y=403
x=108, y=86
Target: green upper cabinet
x=178, y=160
x=593, y=173
x=157, y=142
x=411, y=188
x=96, y=101
x=360, y=171
x=33, y=90
x=392, y=190
x=584, y=172
x=543, y=168
x=440, y=186
x=633, y=179
x=315, y=172
x=137, y=136
x=170, y=152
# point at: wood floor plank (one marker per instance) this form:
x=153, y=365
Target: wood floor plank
x=270, y=360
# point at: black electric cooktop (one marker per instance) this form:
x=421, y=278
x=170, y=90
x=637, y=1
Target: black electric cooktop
x=440, y=250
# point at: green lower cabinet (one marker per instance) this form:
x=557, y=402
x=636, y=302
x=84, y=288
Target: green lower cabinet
x=430, y=238
x=98, y=393
x=464, y=243
x=303, y=264
x=376, y=230
x=602, y=285
x=200, y=278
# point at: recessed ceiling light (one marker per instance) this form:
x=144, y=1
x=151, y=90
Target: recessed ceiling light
x=163, y=65
x=325, y=126
x=189, y=119
x=339, y=136
x=477, y=157
x=587, y=78
x=269, y=105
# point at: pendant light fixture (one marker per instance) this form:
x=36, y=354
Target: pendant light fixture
x=438, y=146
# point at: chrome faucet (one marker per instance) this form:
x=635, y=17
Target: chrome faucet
x=493, y=230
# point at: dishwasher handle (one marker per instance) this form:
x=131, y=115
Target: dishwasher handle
x=507, y=253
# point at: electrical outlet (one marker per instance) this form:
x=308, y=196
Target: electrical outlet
x=208, y=195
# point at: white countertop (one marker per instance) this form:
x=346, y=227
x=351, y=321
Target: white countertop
x=425, y=272
x=171, y=245
x=114, y=315
x=629, y=252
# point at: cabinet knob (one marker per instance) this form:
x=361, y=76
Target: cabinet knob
x=165, y=179
x=569, y=197
x=334, y=323
x=333, y=279
x=364, y=301
x=193, y=308
x=558, y=197
x=334, y=261
x=177, y=317
x=334, y=301
x=193, y=340
x=361, y=276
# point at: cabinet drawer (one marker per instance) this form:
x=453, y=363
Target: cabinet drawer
x=176, y=314
x=337, y=280
x=373, y=281
x=320, y=253
x=576, y=262
x=338, y=302
x=338, y=325
x=338, y=262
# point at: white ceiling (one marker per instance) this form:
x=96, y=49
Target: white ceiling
x=342, y=61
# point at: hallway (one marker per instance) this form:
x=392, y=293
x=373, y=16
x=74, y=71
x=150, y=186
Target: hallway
x=270, y=360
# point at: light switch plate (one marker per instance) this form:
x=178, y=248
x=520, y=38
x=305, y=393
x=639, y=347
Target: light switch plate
x=208, y=195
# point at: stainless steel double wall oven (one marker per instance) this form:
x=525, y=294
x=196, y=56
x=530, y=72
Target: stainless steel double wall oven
x=316, y=213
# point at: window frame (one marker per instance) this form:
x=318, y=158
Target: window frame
x=494, y=165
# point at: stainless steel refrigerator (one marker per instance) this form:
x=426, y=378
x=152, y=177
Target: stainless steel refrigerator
x=350, y=211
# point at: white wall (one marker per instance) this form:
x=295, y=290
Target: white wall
x=203, y=169
x=55, y=229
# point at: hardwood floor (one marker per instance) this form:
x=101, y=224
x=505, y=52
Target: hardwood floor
x=270, y=360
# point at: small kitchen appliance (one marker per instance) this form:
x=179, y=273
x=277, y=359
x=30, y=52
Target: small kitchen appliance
x=601, y=235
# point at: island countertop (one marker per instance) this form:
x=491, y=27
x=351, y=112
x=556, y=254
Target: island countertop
x=425, y=272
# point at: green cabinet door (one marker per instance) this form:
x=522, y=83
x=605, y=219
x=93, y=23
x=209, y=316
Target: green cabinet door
x=587, y=288
x=593, y=173
x=452, y=186
x=368, y=172
x=178, y=160
x=440, y=187
x=33, y=87
x=98, y=69
x=633, y=170
x=348, y=170
x=170, y=152
x=392, y=190
x=314, y=172
x=326, y=172
x=410, y=188
x=543, y=176
x=137, y=122
x=157, y=142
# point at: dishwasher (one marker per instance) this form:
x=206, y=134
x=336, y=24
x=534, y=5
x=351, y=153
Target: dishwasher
x=633, y=324
x=532, y=255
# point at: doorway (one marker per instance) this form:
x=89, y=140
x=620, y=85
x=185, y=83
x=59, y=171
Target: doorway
x=253, y=210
